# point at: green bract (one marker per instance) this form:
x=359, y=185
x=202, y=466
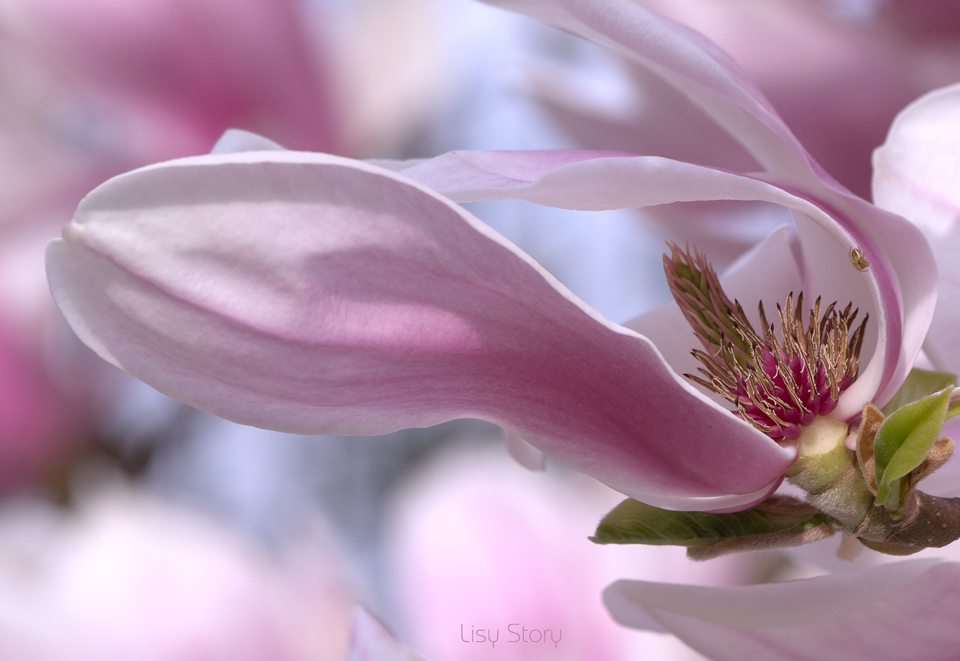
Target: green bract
x=632, y=522
x=903, y=442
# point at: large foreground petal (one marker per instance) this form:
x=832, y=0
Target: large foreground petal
x=315, y=294
x=896, y=612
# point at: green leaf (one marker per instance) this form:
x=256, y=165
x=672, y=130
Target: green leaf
x=904, y=441
x=633, y=522
x=919, y=384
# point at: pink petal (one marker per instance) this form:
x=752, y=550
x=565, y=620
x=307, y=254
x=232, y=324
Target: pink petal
x=901, y=611
x=915, y=176
x=689, y=61
x=915, y=169
x=314, y=294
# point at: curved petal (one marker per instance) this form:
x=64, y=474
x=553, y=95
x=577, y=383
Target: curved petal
x=915, y=175
x=898, y=290
x=900, y=611
x=315, y=294
x=690, y=62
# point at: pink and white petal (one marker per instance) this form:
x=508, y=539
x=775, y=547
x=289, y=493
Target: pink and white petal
x=370, y=641
x=314, y=294
x=915, y=175
x=896, y=612
x=692, y=63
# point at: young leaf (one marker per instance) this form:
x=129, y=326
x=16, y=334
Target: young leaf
x=919, y=384
x=903, y=442
x=633, y=522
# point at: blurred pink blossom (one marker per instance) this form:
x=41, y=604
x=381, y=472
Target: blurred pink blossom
x=315, y=294
x=477, y=543
x=169, y=76
x=129, y=578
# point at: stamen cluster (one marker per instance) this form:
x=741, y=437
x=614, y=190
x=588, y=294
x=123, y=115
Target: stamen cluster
x=777, y=384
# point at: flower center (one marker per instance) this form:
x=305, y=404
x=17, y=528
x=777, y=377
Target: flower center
x=777, y=384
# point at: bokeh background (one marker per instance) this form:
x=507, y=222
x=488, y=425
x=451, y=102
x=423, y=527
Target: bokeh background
x=133, y=527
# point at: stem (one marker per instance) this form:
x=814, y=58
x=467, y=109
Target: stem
x=835, y=485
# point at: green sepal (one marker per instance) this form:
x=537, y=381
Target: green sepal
x=904, y=440
x=918, y=384
x=633, y=522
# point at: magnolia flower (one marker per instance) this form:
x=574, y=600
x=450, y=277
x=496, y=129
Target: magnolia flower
x=316, y=294
x=897, y=611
